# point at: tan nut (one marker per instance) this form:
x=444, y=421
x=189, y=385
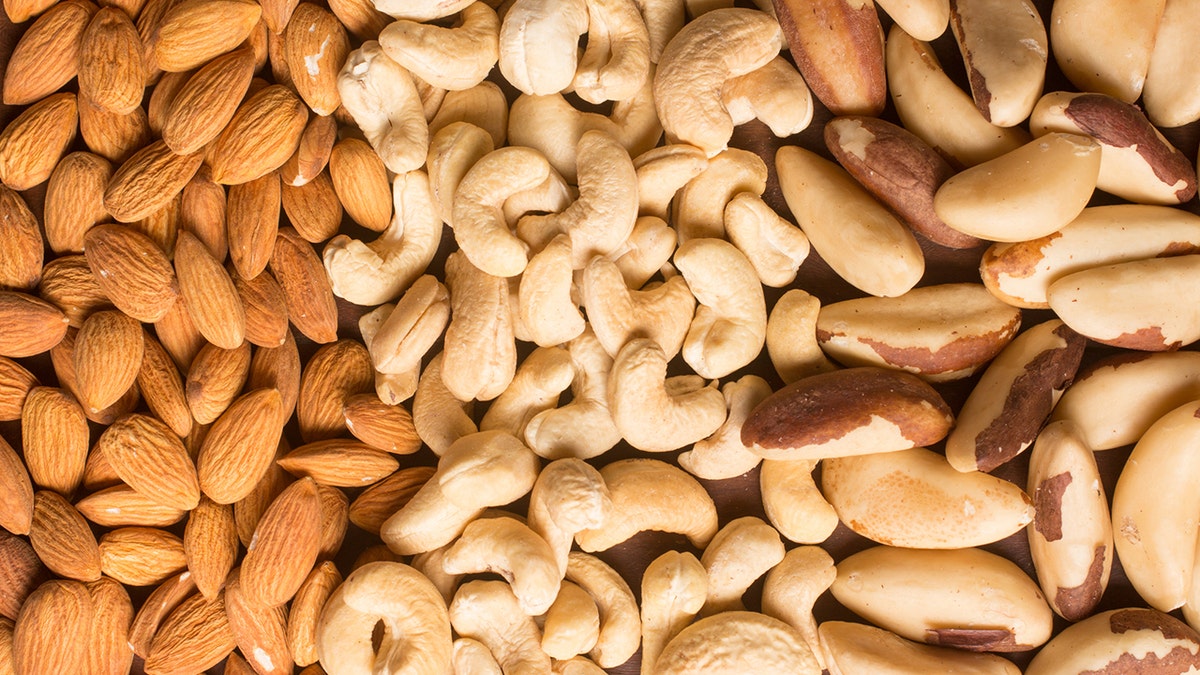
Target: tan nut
x=483, y=105
x=619, y=314
x=472, y=656
x=411, y=327
x=792, y=337
x=447, y=58
x=539, y=44
x=572, y=624
x=1105, y=47
x=699, y=208
x=661, y=172
x=616, y=60
x=620, y=626
x=649, y=247
x=851, y=648
x=536, y=386
x=488, y=611
x=923, y=19
x=793, y=587
x=737, y=556
x=730, y=325
x=1004, y=48
x=674, y=587
x=774, y=94
x=453, y=150
x=722, y=455
x=1168, y=95
x=737, y=642
x=838, y=47
x=480, y=357
x=793, y=503
x=568, y=497
x=775, y=247
x=584, y=427
x=547, y=310
x=509, y=548
x=479, y=226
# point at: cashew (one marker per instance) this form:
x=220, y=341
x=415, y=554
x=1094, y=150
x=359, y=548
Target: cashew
x=793, y=503
x=552, y=195
x=488, y=611
x=412, y=327
x=663, y=20
x=619, y=314
x=539, y=44
x=616, y=61
x=539, y=380
x=472, y=657
x=648, y=494
x=733, y=643
x=620, y=627
x=416, y=627
x=674, y=587
x=375, y=273
x=453, y=150
x=775, y=247
x=391, y=388
x=701, y=203
x=697, y=63
x=447, y=58
x=584, y=427
x=730, y=325
x=546, y=308
x=792, y=588
x=792, y=337
x=569, y=496
x=420, y=10
x=509, y=548
x=723, y=455
x=774, y=94
x=661, y=172
x=655, y=413
x=429, y=563
x=577, y=666
x=383, y=100
x=481, y=352
x=439, y=417
x=648, y=248
x=572, y=623
x=483, y=105
x=737, y=556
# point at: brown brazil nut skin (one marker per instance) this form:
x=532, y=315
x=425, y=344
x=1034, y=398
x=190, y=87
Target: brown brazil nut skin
x=1120, y=642
x=847, y=412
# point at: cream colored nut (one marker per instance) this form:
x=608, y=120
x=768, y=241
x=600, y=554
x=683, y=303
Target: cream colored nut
x=674, y=587
x=1105, y=47
x=619, y=314
x=1120, y=640
x=700, y=205
x=1071, y=539
x=376, y=272
x=853, y=233
x=662, y=171
x=572, y=624
x=792, y=337
x=481, y=352
x=793, y=503
x=579, y=665
x=775, y=247
x=774, y=94
x=509, y=548
x=569, y=496
x=381, y=97
x=483, y=105
x=852, y=648
x=741, y=552
x=730, y=325
x=416, y=627
x=923, y=19
x=453, y=150
x=697, y=63
x=663, y=20
x=1117, y=398
x=656, y=413
x=1134, y=305
x=649, y=247
x=1008, y=406
x=737, y=642
x=539, y=44
x=552, y=195
x=539, y=380
x=792, y=588
x=616, y=60
x=915, y=499
x=584, y=427
x=943, y=332
x=479, y=226
x=473, y=657
x=918, y=84
x=722, y=455
x=1137, y=163
x=429, y=563
x=1170, y=94
x=422, y=10
x=546, y=307
x=488, y=611
x=440, y=418
x=447, y=58
x=415, y=323
x=431, y=97
x=1003, y=45
x=620, y=626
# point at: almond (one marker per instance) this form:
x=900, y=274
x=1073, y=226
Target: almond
x=262, y=135
x=7, y=658
x=107, y=355
x=62, y=538
x=141, y=556
x=250, y=509
x=312, y=155
x=240, y=447
x=75, y=200
x=207, y=102
x=214, y=379
x=193, y=32
x=252, y=222
x=362, y=183
x=148, y=21
x=306, y=610
x=46, y=57
x=212, y=299
x=148, y=181
x=278, y=368
x=236, y=665
x=98, y=474
x=68, y=284
x=28, y=325
x=113, y=136
x=313, y=208
x=256, y=42
x=315, y=47
x=122, y=506
x=15, y=383
x=133, y=271
x=333, y=374
x=360, y=17
x=52, y=634
x=335, y=520
x=62, y=357
x=211, y=544
x=340, y=462
x=193, y=638
x=260, y=632
x=20, y=243
x=20, y=11
x=16, y=500
x=148, y=456
x=168, y=596
x=378, y=502
x=20, y=572
x=162, y=97
x=179, y=335
x=162, y=226
x=277, y=13
x=111, y=73
x=54, y=433
x=285, y=545
x=109, y=652
x=300, y=273
x=266, y=309
x=202, y=212
x=162, y=387
x=32, y=144
x=379, y=425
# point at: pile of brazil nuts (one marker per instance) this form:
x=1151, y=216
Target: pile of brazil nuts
x=585, y=336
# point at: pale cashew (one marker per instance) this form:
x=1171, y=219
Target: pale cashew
x=616, y=61
x=648, y=248
x=569, y=496
x=481, y=351
x=478, y=217
x=697, y=63
x=775, y=247
x=416, y=626
x=383, y=100
x=541, y=377
x=730, y=325
x=448, y=58
x=572, y=623
x=661, y=172
x=737, y=556
x=539, y=44
x=648, y=494
x=578, y=665
x=552, y=195
x=439, y=417
x=509, y=548
x=391, y=388
x=583, y=428
x=453, y=150
x=733, y=643
x=792, y=337
x=792, y=588
x=411, y=328
x=620, y=626
x=547, y=310
x=375, y=273
x=483, y=105
x=619, y=314
x=793, y=503
x=431, y=97
x=723, y=455
x=674, y=587
x=774, y=94
x=663, y=20
x=656, y=413
x=420, y=10
x=488, y=611
x=429, y=563
x=700, y=205
x=472, y=657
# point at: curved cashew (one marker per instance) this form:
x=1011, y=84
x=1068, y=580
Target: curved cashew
x=584, y=427
x=578, y=665
x=620, y=625
x=619, y=314
x=700, y=205
x=478, y=218
x=481, y=351
x=546, y=308
x=453, y=150
x=793, y=503
x=412, y=327
x=488, y=611
x=572, y=623
x=648, y=248
x=569, y=496
x=696, y=65
x=723, y=455
x=509, y=548
x=663, y=20
x=540, y=379
x=539, y=44
x=737, y=556
x=391, y=388
x=375, y=273
x=792, y=588
x=552, y=195
x=775, y=247
x=663, y=171
x=439, y=417
x=472, y=657
x=483, y=105
x=792, y=337
x=616, y=61
x=420, y=10
x=447, y=58
x=429, y=563
x=416, y=626
x=774, y=94
x=738, y=642
x=674, y=587
x=648, y=494
x=383, y=100
x=730, y=325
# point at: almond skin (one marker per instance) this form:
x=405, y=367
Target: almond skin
x=122, y=506
x=266, y=309
x=28, y=325
x=194, y=32
x=381, y=426
x=133, y=271
x=278, y=368
x=300, y=272
x=335, y=520
x=211, y=544
x=260, y=632
x=252, y=222
x=339, y=462
x=360, y=17
x=107, y=355
x=212, y=299
x=62, y=357
x=193, y=638
x=20, y=243
x=110, y=653
x=148, y=181
x=362, y=183
x=202, y=212
x=214, y=380
x=162, y=387
x=285, y=545
x=313, y=154
x=20, y=11
x=33, y=143
x=75, y=200
x=306, y=610
x=240, y=446
x=206, y=103
x=148, y=456
x=46, y=57
x=333, y=374
x=15, y=383
x=16, y=500
x=378, y=502
x=315, y=47
x=313, y=208
x=111, y=135
x=111, y=73
x=164, y=600
x=179, y=335
x=54, y=433
x=262, y=135
x=68, y=283
x=276, y=13
x=162, y=226
x=52, y=633
x=250, y=509
x=62, y=538
x=20, y=573
x=141, y=556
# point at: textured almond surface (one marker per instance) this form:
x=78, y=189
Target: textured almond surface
x=132, y=270
x=32, y=144
x=54, y=434
x=262, y=135
x=240, y=446
x=47, y=55
x=285, y=545
x=62, y=539
x=152, y=460
x=108, y=354
x=211, y=297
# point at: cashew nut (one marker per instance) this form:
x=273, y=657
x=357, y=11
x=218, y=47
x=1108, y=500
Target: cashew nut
x=429, y=563
x=552, y=195
x=439, y=417
x=488, y=611
x=730, y=325
x=619, y=314
x=383, y=100
x=792, y=588
x=579, y=665
x=662, y=171
x=620, y=625
x=734, y=643
x=483, y=105
x=663, y=20
x=391, y=388
x=584, y=427
x=793, y=503
x=480, y=357
x=792, y=337
x=447, y=58
x=616, y=61
x=568, y=497
x=572, y=624
x=775, y=247
x=649, y=494
x=539, y=44
x=546, y=308
x=701, y=203
x=478, y=218
x=411, y=327
x=541, y=377
x=420, y=10
x=774, y=94
x=648, y=248
x=723, y=455
x=674, y=587
x=472, y=657
x=453, y=150
x=509, y=548
x=737, y=556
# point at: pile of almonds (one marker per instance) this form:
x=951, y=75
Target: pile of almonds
x=237, y=433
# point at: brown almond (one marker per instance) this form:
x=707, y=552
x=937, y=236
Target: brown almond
x=168, y=596
x=315, y=46
x=15, y=383
x=207, y=102
x=52, y=634
x=179, y=335
x=75, y=200
x=148, y=181
x=260, y=632
x=378, y=502
x=275, y=57
x=162, y=387
x=209, y=293
x=335, y=520
x=54, y=433
x=376, y=553
x=20, y=572
x=20, y=243
x=162, y=226
x=162, y=98
x=8, y=661
x=379, y=425
x=141, y=556
x=305, y=612
x=111, y=73
x=240, y=447
x=286, y=542
x=256, y=42
x=20, y=11
x=46, y=57
x=313, y=208
x=109, y=652
x=148, y=456
x=16, y=499
x=193, y=32
x=235, y=664
x=133, y=271
x=334, y=373
x=278, y=368
x=277, y=13
x=122, y=506
x=148, y=21
x=113, y=136
x=202, y=212
x=33, y=143
x=250, y=509
x=362, y=183
x=299, y=271
x=262, y=135
x=252, y=221
x=98, y=474
x=266, y=309
x=193, y=638
x=838, y=48
x=340, y=462
x=360, y=17
x=312, y=155
x=68, y=283
x=214, y=380
x=62, y=357
x=62, y=538
x=28, y=325
x=108, y=354
x=211, y=544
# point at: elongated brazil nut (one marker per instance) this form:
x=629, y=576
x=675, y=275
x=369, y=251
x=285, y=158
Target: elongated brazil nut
x=1004, y=48
x=855, y=411
x=1121, y=641
x=853, y=648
